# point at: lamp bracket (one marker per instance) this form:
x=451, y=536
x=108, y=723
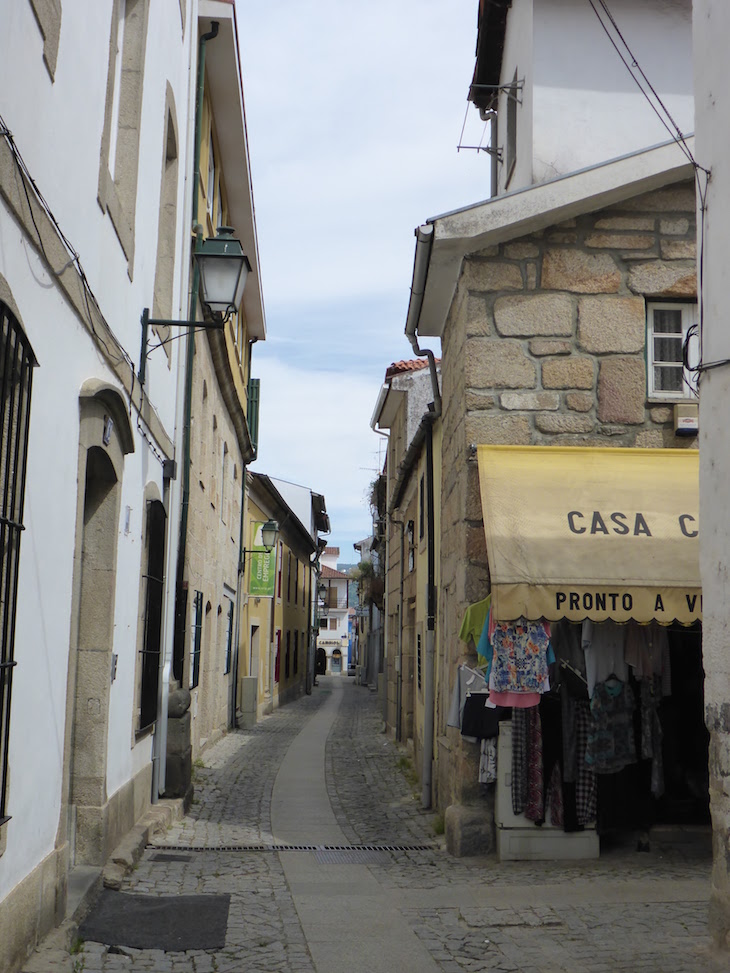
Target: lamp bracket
x=146, y=321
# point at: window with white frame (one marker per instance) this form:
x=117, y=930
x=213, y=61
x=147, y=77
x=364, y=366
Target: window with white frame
x=668, y=324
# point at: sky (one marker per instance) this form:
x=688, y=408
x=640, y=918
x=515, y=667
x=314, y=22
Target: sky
x=354, y=114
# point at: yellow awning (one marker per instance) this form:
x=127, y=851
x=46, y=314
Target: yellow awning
x=578, y=533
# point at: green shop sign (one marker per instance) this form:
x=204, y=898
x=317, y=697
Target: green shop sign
x=262, y=575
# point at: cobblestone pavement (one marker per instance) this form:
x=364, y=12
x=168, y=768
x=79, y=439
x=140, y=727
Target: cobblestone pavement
x=643, y=913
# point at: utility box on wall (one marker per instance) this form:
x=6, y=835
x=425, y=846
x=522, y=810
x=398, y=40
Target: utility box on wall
x=686, y=419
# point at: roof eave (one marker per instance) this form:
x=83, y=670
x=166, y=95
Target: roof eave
x=225, y=86
x=491, y=31
x=505, y=217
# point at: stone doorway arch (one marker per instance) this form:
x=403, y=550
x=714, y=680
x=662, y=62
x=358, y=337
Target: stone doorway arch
x=105, y=437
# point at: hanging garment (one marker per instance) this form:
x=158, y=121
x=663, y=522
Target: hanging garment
x=527, y=774
x=519, y=664
x=651, y=730
x=611, y=741
x=647, y=652
x=484, y=645
x=519, y=760
x=552, y=758
x=571, y=668
x=510, y=699
x=488, y=761
x=507, y=698
x=474, y=619
x=603, y=645
x=481, y=722
x=467, y=680
x=586, y=786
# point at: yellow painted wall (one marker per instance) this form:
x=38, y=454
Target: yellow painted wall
x=288, y=612
x=212, y=214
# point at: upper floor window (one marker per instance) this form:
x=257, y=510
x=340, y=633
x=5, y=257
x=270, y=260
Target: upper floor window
x=118, y=171
x=667, y=326
x=421, y=508
x=196, y=639
x=229, y=636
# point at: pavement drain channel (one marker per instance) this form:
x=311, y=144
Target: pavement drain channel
x=162, y=852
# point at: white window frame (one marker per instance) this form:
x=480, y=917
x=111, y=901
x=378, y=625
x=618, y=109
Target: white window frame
x=689, y=311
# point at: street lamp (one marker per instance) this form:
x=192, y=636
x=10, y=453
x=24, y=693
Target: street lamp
x=269, y=532
x=269, y=535
x=323, y=609
x=223, y=269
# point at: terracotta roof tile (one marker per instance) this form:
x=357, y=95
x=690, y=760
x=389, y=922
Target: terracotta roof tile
x=414, y=365
x=331, y=573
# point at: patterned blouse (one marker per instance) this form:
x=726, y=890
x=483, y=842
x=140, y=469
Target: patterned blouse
x=520, y=661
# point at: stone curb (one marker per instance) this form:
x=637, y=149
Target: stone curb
x=128, y=852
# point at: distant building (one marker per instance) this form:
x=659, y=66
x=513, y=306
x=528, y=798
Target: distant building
x=279, y=585
x=333, y=634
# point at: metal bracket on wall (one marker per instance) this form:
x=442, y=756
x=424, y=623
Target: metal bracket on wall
x=513, y=86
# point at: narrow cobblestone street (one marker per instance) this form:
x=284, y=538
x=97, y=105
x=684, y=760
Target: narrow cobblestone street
x=319, y=774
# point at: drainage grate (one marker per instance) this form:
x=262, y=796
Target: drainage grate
x=319, y=849
x=352, y=856
x=165, y=857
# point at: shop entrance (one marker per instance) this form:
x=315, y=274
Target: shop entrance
x=685, y=744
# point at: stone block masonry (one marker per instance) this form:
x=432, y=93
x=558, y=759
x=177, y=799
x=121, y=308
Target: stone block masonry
x=553, y=327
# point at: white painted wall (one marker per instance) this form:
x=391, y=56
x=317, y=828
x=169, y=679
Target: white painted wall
x=419, y=387
x=712, y=28
x=299, y=499
x=580, y=105
x=57, y=128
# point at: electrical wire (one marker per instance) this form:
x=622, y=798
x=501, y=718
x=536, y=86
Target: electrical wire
x=702, y=180
x=663, y=115
x=29, y=184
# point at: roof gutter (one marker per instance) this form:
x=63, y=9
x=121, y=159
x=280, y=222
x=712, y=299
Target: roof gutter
x=424, y=245
x=422, y=259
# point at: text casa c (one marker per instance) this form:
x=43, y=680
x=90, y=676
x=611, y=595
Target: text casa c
x=618, y=522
